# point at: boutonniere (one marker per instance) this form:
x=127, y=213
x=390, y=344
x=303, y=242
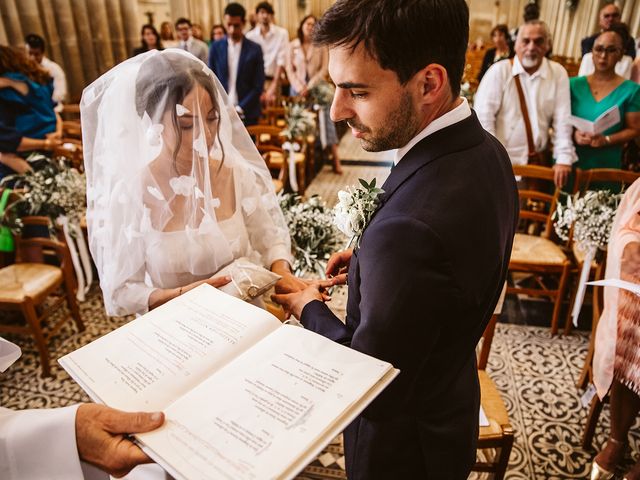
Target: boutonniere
x=355, y=208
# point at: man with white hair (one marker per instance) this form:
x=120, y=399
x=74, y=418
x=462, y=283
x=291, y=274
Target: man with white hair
x=609, y=15
x=520, y=100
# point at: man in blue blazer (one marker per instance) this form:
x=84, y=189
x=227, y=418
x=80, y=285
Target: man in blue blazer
x=430, y=265
x=236, y=53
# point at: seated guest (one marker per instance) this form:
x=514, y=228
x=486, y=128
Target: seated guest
x=306, y=66
x=35, y=49
x=503, y=48
x=238, y=64
x=609, y=15
x=594, y=94
x=188, y=42
x=150, y=39
x=218, y=32
x=167, y=36
x=70, y=442
x=616, y=362
x=522, y=122
x=33, y=112
x=273, y=40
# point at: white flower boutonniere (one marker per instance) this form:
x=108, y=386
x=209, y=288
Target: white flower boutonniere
x=355, y=208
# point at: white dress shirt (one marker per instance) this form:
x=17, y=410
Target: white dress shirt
x=233, y=58
x=59, y=79
x=274, y=47
x=548, y=101
x=623, y=67
x=39, y=444
x=456, y=115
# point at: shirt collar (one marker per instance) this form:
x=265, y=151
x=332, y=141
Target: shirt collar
x=518, y=69
x=456, y=115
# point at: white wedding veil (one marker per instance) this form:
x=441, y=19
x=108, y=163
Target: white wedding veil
x=167, y=157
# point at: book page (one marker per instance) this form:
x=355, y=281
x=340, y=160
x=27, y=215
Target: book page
x=150, y=362
x=607, y=119
x=617, y=283
x=582, y=124
x=263, y=411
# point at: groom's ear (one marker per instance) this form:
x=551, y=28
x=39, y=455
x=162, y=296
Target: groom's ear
x=433, y=83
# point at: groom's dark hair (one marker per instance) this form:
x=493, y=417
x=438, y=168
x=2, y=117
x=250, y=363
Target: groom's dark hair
x=402, y=35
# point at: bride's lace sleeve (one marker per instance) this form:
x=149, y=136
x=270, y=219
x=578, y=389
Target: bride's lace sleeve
x=264, y=221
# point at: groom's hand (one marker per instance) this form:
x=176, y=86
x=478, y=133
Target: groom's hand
x=294, y=303
x=338, y=265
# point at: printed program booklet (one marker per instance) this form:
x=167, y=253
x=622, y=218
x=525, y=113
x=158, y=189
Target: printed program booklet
x=244, y=396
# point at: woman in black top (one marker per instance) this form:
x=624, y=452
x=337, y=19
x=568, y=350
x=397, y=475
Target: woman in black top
x=503, y=48
x=150, y=40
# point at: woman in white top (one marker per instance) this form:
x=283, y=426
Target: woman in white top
x=176, y=189
x=306, y=66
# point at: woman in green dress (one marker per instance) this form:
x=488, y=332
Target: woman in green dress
x=594, y=94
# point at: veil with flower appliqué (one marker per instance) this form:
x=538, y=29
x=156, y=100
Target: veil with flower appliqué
x=175, y=186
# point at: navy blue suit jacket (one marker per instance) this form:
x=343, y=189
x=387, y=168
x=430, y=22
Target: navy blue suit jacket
x=250, y=77
x=422, y=287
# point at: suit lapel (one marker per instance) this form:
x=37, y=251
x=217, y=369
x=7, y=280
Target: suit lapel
x=454, y=138
x=244, y=52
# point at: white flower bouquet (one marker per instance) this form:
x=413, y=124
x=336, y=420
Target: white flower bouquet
x=52, y=190
x=300, y=121
x=355, y=208
x=313, y=236
x=591, y=217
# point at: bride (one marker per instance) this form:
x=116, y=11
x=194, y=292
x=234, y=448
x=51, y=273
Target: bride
x=176, y=189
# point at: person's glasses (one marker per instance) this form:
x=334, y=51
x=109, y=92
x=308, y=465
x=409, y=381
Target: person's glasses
x=611, y=15
x=602, y=50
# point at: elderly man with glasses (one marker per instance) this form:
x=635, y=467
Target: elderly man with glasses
x=609, y=15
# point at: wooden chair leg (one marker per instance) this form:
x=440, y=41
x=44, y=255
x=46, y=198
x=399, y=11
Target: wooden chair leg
x=592, y=421
x=73, y=308
x=558, y=301
x=572, y=283
x=486, y=342
x=31, y=317
x=505, y=453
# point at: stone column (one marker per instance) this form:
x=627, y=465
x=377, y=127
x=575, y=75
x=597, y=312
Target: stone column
x=131, y=27
x=99, y=29
x=11, y=19
x=3, y=34
x=74, y=62
x=83, y=36
x=30, y=17
x=54, y=49
x=116, y=31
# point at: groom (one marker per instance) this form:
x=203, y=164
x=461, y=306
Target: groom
x=430, y=265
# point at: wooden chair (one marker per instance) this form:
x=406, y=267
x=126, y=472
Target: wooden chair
x=71, y=149
x=278, y=169
x=71, y=129
x=264, y=135
x=276, y=117
x=70, y=111
x=29, y=285
x=495, y=440
x=586, y=180
x=536, y=254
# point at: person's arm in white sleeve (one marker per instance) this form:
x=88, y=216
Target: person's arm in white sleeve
x=564, y=151
x=488, y=98
x=586, y=65
x=59, y=84
x=39, y=444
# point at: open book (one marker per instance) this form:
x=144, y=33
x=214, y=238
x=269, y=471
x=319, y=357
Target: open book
x=244, y=396
x=605, y=121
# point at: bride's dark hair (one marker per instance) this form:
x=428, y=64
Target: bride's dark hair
x=163, y=81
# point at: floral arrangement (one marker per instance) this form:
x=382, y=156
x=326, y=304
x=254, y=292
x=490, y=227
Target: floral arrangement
x=322, y=94
x=52, y=190
x=300, y=121
x=355, y=208
x=313, y=235
x=591, y=217
x=466, y=92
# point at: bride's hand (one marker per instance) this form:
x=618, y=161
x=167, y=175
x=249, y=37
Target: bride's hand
x=213, y=281
x=289, y=283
